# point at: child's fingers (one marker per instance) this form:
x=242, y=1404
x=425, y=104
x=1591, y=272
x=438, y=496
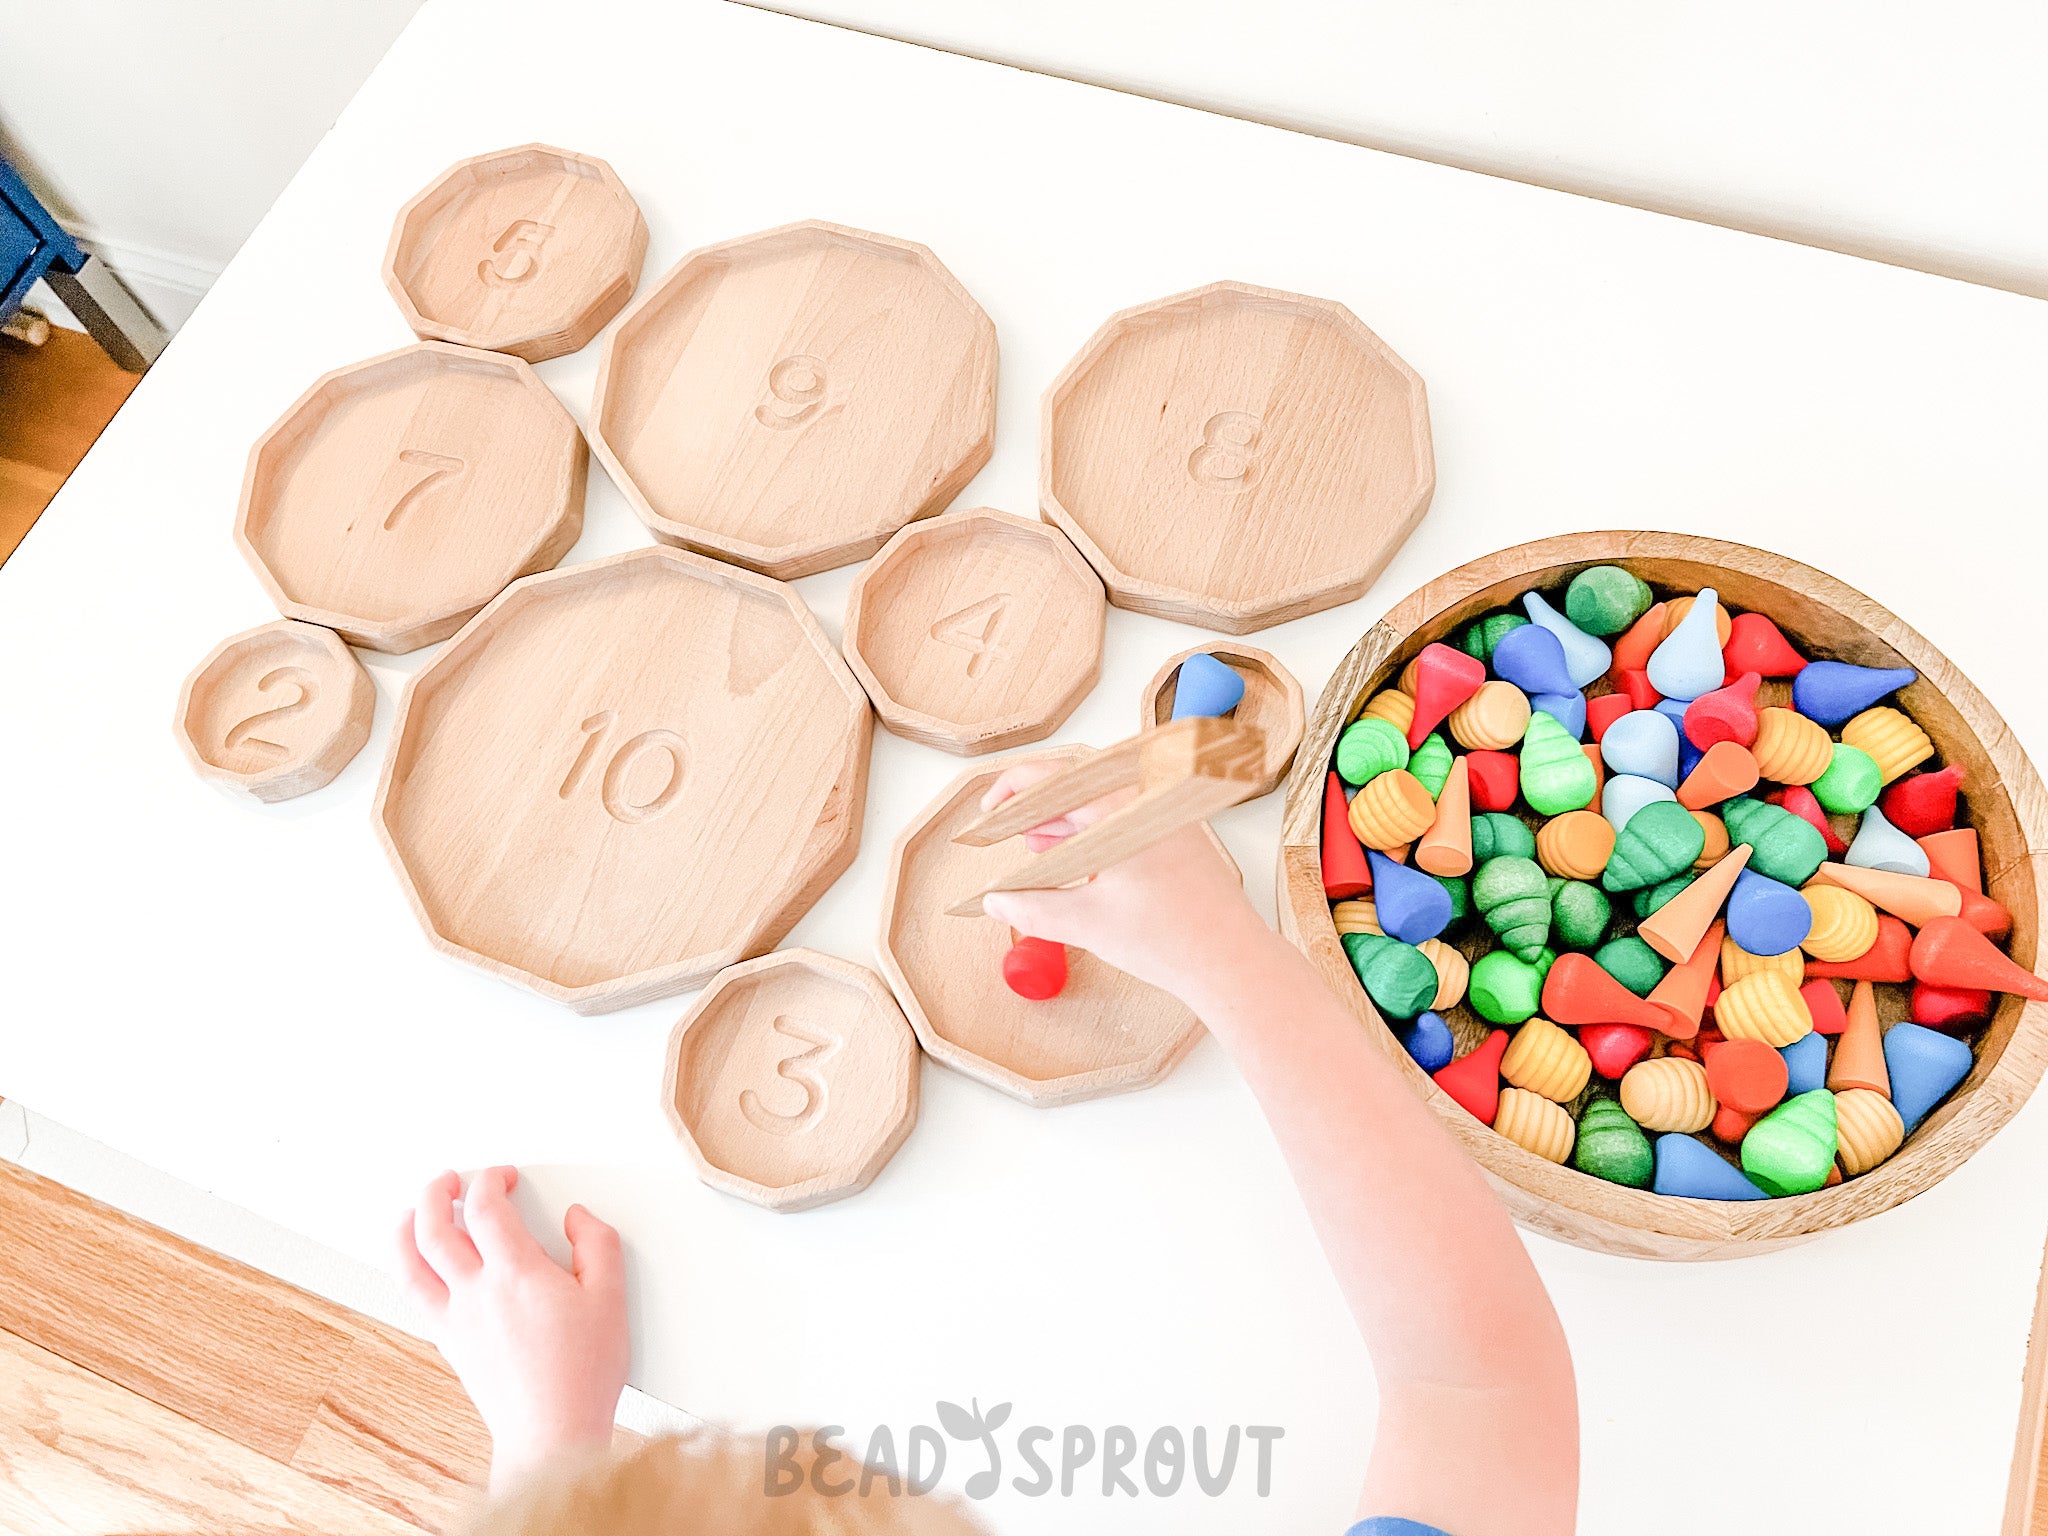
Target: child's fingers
x=1023, y=776
x=415, y=1276
x=500, y=1236
x=1062, y=916
x=444, y=1245
x=595, y=1252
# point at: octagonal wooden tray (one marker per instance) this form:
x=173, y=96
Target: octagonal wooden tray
x=400, y=494
x=1105, y=1033
x=793, y=1080
x=788, y=400
x=976, y=632
x=528, y=251
x=1236, y=456
x=1272, y=703
x=275, y=712
x=624, y=776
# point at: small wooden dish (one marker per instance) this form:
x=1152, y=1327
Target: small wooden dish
x=624, y=776
x=275, y=712
x=528, y=251
x=792, y=1080
x=976, y=632
x=1106, y=1033
x=1236, y=456
x=1271, y=704
x=1822, y=616
x=399, y=495
x=788, y=400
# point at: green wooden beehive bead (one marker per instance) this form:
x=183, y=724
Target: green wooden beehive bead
x=1369, y=748
x=1605, y=599
x=1786, y=847
x=1613, y=1147
x=1513, y=895
x=1579, y=912
x=1631, y=962
x=1496, y=834
x=1852, y=781
x=1790, y=1150
x=1556, y=774
x=1483, y=634
x=1431, y=763
x=1651, y=897
x=1504, y=989
x=1397, y=977
x=1659, y=841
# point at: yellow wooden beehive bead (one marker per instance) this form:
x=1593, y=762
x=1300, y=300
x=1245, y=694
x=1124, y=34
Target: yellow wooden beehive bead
x=1893, y=741
x=1544, y=1059
x=1717, y=839
x=1357, y=915
x=1493, y=719
x=1406, y=681
x=1392, y=706
x=1737, y=962
x=1532, y=1121
x=1867, y=1129
x=1669, y=1093
x=1844, y=924
x=1393, y=809
x=1789, y=748
x=1453, y=971
x=1763, y=1006
x=1575, y=845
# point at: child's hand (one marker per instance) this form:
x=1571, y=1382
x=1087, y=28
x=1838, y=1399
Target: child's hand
x=542, y=1351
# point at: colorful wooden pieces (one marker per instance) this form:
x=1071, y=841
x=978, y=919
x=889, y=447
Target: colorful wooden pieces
x=1833, y=692
x=1954, y=856
x=1411, y=906
x=1428, y=1042
x=1431, y=764
x=1880, y=845
x=1496, y=780
x=1851, y=784
x=1687, y=662
x=1824, y=1004
x=1727, y=713
x=1556, y=775
x=1601, y=713
x=399, y=495
x=607, y=820
x=1724, y=770
x=1789, y=748
x=1271, y=705
x=1755, y=644
x=1533, y=660
x=1585, y=657
x=1682, y=992
x=1452, y=972
x=1635, y=687
x=1358, y=915
x=1575, y=845
x=1534, y=1123
x=1737, y=962
x=1859, y=1052
x=1614, y=1048
x=275, y=712
x=792, y=1080
x=1746, y=1075
x=1717, y=843
x=1544, y=1059
x=1798, y=800
x=1392, y=810
x=1505, y=989
x=1844, y=925
x=1676, y=610
x=1161, y=500
x=1493, y=718
x=1473, y=1080
x=528, y=251
x=1345, y=872
x=1731, y=1125
x=1579, y=913
x=1612, y=1147
x=1624, y=795
x=1514, y=898
x=1767, y=918
x=1446, y=848
x=1567, y=709
x=1392, y=706
x=1886, y=960
x=1918, y=899
x=1035, y=969
x=1668, y=1094
x=788, y=400
x=1806, y=1063
x=1444, y=679
x=1397, y=976
x=1924, y=1066
x=1578, y=991
x=1890, y=739
x=1632, y=963
x=1659, y=841
x=1949, y=1007
x=1632, y=650
x=1867, y=1130
x=976, y=632
x=1924, y=803
x=1204, y=686
x=1790, y=1150
x=1606, y=599
x=1483, y=634
x=1496, y=834
x=1643, y=743
x=1783, y=845
x=1948, y=952
x=1762, y=1006
x=1686, y=1168
x=1370, y=746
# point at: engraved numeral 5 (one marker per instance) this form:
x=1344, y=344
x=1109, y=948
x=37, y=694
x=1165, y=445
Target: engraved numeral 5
x=516, y=254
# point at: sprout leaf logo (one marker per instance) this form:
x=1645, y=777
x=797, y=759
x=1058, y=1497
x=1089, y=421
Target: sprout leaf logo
x=972, y=1424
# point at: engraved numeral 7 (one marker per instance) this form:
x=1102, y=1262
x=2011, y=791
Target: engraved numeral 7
x=438, y=466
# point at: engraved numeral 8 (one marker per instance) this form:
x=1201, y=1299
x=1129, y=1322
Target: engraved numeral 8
x=1227, y=459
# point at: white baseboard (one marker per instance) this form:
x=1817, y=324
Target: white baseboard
x=170, y=286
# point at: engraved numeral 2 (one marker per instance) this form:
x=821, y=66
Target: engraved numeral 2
x=243, y=734
x=612, y=786
x=796, y=394
x=974, y=629
x=1226, y=459
x=515, y=254
x=801, y=1069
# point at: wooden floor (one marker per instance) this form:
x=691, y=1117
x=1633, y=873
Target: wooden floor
x=54, y=401
x=147, y=1385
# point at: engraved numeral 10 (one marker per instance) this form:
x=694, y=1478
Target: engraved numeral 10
x=611, y=790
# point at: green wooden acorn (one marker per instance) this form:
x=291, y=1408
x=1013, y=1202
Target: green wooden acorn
x=1612, y=1146
x=1484, y=633
x=1496, y=834
x=1786, y=847
x=1790, y=1150
x=1605, y=599
x=1513, y=895
x=1431, y=763
x=1579, y=912
x=1504, y=989
x=1397, y=977
x=1659, y=841
x=1556, y=774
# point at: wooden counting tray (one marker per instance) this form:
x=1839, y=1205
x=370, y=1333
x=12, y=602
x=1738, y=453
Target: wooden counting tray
x=528, y=251
x=1272, y=703
x=275, y=712
x=976, y=632
x=1105, y=1033
x=625, y=775
x=1236, y=456
x=790, y=399
x=399, y=495
x=792, y=1080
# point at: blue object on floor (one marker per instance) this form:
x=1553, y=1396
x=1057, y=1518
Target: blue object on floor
x=1411, y=905
x=31, y=242
x=1806, y=1062
x=1684, y=1167
x=1204, y=686
x=1428, y=1040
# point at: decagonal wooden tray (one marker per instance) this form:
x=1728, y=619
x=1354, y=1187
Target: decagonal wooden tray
x=788, y=400
x=275, y=711
x=1236, y=456
x=792, y=1080
x=1272, y=703
x=399, y=495
x=1105, y=1033
x=624, y=776
x=975, y=632
x=528, y=251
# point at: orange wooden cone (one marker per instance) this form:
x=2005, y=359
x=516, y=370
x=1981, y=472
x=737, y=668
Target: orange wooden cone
x=1632, y=650
x=1859, y=1053
x=1682, y=994
x=1446, y=848
x=1674, y=929
x=1579, y=991
x=1948, y=952
x=1915, y=899
x=1953, y=856
x=1726, y=770
x=1599, y=773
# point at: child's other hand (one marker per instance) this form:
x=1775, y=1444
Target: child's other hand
x=541, y=1350
x=1166, y=915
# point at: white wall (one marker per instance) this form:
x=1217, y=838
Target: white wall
x=161, y=130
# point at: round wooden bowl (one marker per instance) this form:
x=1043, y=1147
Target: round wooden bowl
x=1824, y=617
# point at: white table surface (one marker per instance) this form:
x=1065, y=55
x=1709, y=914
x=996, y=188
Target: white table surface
x=241, y=998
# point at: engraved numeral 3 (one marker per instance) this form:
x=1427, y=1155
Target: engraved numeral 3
x=801, y=1069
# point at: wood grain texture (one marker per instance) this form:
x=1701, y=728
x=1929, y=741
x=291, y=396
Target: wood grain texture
x=528, y=251
x=59, y=398
x=1236, y=456
x=2026, y=1490
x=1105, y=1033
x=400, y=494
x=976, y=632
x=1822, y=616
x=1272, y=703
x=624, y=776
x=275, y=712
x=792, y=1080
x=788, y=400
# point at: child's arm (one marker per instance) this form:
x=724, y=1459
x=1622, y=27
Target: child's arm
x=1478, y=1430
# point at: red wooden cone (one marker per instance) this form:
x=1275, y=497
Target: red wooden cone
x=1579, y=991
x=1825, y=1004
x=1635, y=687
x=1615, y=1047
x=1604, y=711
x=1682, y=993
x=1886, y=960
x=1474, y=1078
x=1924, y=802
x=1632, y=650
x=1954, y=856
x=1345, y=872
x=1444, y=679
x=1496, y=779
x=1755, y=644
x=1731, y=1125
x=1725, y=714
x=1949, y=1007
x=1988, y=917
x=1948, y=952
x=1859, y=1053
x=1799, y=800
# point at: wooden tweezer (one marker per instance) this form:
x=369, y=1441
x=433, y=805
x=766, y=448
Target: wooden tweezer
x=1183, y=771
